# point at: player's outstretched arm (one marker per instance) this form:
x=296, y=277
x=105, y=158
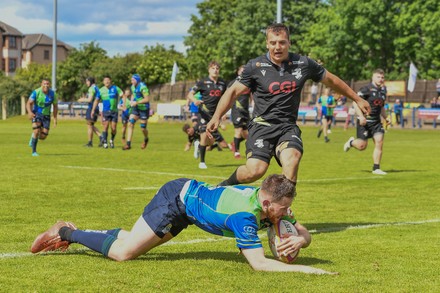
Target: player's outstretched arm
x=225, y=103
x=341, y=87
x=259, y=262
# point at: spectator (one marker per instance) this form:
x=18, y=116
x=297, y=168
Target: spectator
x=435, y=103
x=398, y=110
x=314, y=93
x=437, y=85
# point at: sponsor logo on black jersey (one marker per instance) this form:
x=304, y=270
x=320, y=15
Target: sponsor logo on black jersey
x=259, y=64
x=297, y=73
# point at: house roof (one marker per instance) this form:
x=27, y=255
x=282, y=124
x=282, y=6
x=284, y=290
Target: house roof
x=32, y=40
x=8, y=30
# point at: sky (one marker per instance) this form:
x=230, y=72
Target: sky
x=118, y=26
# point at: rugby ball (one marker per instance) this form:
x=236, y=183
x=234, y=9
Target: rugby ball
x=275, y=233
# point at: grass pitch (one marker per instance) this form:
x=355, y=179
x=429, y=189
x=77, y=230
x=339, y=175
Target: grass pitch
x=381, y=233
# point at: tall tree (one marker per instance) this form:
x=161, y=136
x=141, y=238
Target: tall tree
x=157, y=63
x=417, y=37
x=119, y=68
x=353, y=37
x=75, y=69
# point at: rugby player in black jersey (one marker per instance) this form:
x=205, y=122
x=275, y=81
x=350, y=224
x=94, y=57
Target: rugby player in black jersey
x=211, y=88
x=240, y=116
x=276, y=80
x=371, y=126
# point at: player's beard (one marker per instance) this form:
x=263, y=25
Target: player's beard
x=271, y=215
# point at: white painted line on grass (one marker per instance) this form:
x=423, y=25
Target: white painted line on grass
x=261, y=235
x=144, y=172
x=357, y=227
x=140, y=188
x=214, y=177
x=337, y=179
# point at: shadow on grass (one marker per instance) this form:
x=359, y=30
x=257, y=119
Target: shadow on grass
x=397, y=171
x=61, y=155
x=228, y=165
x=194, y=255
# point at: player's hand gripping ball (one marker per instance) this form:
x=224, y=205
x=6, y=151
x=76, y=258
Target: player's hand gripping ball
x=275, y=233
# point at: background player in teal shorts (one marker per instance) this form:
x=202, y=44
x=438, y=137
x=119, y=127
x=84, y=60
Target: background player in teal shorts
x=140, y=110
x=124, y=106
x=328, y=104
x=233, y=211
x=91, y=117
x=110, y=95
x=39, y=107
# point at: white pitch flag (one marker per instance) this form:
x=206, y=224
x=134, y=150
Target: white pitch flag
x=174, y=74
x=412, y=77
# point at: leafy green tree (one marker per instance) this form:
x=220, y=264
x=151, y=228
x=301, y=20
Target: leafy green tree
x=352, y=37
x=157, y=63
x=233, y=32
x=119, y=68
x=29, y=78
x=76, y=68
x=417, y=37
x=12, y=88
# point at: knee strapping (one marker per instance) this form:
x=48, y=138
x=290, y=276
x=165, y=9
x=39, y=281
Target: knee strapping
x=143, y=125
x=43, y=135
x=132, y=120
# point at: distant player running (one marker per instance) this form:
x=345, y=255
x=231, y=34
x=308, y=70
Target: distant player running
x=328, y=104
x=39, y=108
x=237, y=212
x=211, y=88
x=371, y=126
x=240, y=116
x=140, y=110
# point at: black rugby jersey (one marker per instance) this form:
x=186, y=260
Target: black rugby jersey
x=211, y=93
x=375, y=96
x=277, y=90
x=196, y=134
x=242, y=102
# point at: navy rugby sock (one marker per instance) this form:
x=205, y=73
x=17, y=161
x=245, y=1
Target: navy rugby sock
x=99, y=242
x=237, y=143
x=34, y=144
x=376, y=166
x=231, y=180
x=202, y=149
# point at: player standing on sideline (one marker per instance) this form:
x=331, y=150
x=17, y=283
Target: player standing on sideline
x=124, y=106
x=240, y=117
x=328, y=104
x=140, y=110
x=91, y=118
x=110, y=95
x=211, y=88
x=38, y=107
x=371, y=126
x=276, y=80
x=216, y=210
